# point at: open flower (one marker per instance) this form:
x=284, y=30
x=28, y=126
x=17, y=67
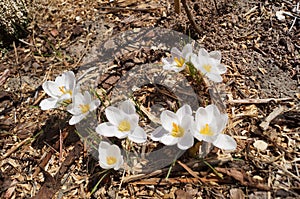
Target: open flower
x=208, y=126
x=81, y=106
x=175, y=128
x=59, y=90
x=179, y=59
x=209, y=64
x=110, y=156
x=123, y=122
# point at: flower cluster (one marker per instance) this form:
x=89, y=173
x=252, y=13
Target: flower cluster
x=181, y=128
x=177, y=128
x=209, y=64
x=65, y=90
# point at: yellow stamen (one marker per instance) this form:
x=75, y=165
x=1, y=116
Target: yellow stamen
x=84, y=108
x=64, y=91
x=111, y=160
x=206, y=130
x=207, y=67
x=179, y=62
x=124, y=126
x=177, y=130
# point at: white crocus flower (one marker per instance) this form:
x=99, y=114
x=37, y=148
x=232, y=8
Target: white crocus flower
x=110, y=156
x=122, y=123
x=175, y=128
x=208, y=126
x=59, y=90
x=179, y=59
x=209, y=64
x=81, y=106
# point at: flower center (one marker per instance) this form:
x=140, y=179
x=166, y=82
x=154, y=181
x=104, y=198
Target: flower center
x=177, y=130
x=206, y=130
x=207, y=67
x=111, y=160
x=179, y=62
x=84, y=108
x=64, y=91
x=124, y=126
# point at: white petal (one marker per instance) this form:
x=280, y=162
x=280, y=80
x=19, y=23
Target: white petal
x=78, y=99
x=138, y=135
x=221, y=68
x=175, y=52
x=114, y=115
x=48, y=103
x=214, y=77
x=157, y=134
x=203, y=53
x=225, y=142
x=169, y=140
x=94, y=104
x=52, y=89
x=106, y=129
x=202, y=117
x=70, y=81
x=215, y=55
x=121, y=135
x=183, y=111
x=187, y=122
x=186, y=142
x=187, y=51
x=195, y=61
x=87, y=98
x=167, y=119
x=76, y=119
x=128, y=107
x=119, y=163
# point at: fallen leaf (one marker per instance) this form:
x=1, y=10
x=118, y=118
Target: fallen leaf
x=260, y=145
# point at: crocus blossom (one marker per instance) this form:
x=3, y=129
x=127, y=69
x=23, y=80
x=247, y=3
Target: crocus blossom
x=81, y=106
x=209, y=64
x=59, y=90
x=208, y=126
x=179, y=59
x=110, y=156
x=122, y=123
x=175, y=128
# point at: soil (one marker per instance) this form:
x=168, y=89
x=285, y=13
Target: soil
x=43, y=157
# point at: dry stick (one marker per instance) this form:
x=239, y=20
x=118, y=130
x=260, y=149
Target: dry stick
x=265, y=124
x=14, y=148
x=190, y=17
x=258, y=101
x=198, y=164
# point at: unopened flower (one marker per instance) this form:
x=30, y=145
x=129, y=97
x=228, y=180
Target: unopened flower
x=209, y=64
x=208, y=126
x=59, y=90
x=110, y=156
x=122, y=123
x=175, y=128
x=179, y=59
x=81, y=106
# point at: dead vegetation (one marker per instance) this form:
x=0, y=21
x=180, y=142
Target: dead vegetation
x=42, y=157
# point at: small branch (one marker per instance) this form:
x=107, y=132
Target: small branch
x=190, y=17
x=258, y=101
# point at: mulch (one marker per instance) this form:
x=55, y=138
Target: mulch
x=43, y=157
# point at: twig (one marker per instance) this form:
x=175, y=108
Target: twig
x=14, y=148
x=190, y=17
x=197, y=164
x=258, y=101
x=265, y=124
